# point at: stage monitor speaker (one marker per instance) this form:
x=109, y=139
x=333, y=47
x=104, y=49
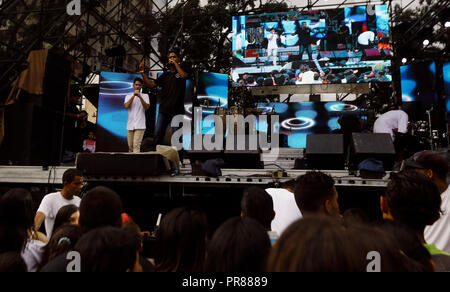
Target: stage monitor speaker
x=325, y=151
x=249, y=157
x=376, y=146
x=122, y=164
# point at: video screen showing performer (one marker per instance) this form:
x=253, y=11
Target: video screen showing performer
x=338, y=46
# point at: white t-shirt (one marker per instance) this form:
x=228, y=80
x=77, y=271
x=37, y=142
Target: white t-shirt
x=365, y=37
x=439, y=233
x=285, y=207
x=136, y=112
x=307, y=77
x=32, y=254
x=273, y=44
x=396, y=119
x=50, y=206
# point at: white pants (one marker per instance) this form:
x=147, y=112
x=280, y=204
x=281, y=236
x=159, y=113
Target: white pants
x=135, y=140
x=273, y=52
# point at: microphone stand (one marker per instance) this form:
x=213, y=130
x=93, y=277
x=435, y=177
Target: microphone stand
x=431, y=129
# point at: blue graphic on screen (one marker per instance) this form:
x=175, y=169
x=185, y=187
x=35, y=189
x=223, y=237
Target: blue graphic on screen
x=112, y=116
x=289, y=26
x=298, y=120
x=355, y=14
x=418, y=82
x=446, y=72
x=382, y=14
x=212, y=93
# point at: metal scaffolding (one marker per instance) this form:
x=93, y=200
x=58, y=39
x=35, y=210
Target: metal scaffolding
x=107, y=36
x=116, y=35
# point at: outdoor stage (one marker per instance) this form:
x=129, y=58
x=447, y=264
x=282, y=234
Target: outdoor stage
x=37, y=175
x=145, y=197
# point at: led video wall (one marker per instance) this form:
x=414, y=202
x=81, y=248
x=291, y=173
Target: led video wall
x=112, y=119
x=418, y=82
x=298, y=120
x=346, y=45
x=446, y=72
x=212, y=92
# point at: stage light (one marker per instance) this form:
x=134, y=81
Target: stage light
x=404, y=60
x=447, y=24
x=426, y=42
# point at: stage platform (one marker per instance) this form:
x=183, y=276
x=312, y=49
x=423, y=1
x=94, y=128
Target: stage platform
x=37, y=175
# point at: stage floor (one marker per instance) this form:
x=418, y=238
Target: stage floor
x=36, y=175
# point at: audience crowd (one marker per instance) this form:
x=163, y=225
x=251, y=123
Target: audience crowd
x=93, y=234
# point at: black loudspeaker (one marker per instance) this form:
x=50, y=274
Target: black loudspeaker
x=122, y=164
x=56, y=82
x=32, y=135
x=33, y=124
x=376, y=146
x=325, y=151
x=248, y=157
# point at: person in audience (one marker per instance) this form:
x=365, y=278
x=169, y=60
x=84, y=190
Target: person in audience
x=135, y=230
x=436, y=168
x=315, y=193
x=12, y=262
x=355, y=215
x=63, y=240
x=99, y=207
x=69, y=214
x=409, y=244
x=319, y=243
x=108, y=249
x=17, y=228
x=414, y=200
x=258, y=204
x=13, y=223
x=181, y=241
x=284, y=206
x=51, y=203
x=238, y=245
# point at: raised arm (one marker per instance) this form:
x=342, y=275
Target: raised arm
x=147, y=81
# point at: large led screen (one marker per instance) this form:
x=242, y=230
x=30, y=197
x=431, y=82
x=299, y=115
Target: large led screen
x=446, y=72
x=298, y=120
x=112, y=116
x=212, y=93
x=418, y=82
x=347, y=45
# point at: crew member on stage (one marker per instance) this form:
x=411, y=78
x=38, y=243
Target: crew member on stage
x=136, y=104
x=173, y=85
x=304, y=34
x=392, y=122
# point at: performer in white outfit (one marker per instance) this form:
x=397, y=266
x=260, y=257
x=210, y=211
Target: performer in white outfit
x=272, y=48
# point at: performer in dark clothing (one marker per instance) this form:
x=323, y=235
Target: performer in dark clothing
x=73, y=116
x=304, y=34
x=173, y=85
